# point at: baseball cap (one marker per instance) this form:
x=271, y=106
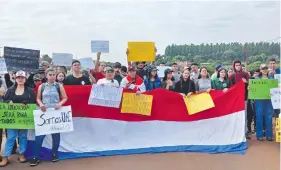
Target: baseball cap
x=108, y=69
x=168, y=71
x=153, y=68
x=131, y=68
x=263, y=66
x=36, y=77
x=117, y=65
x=21, y=74
x=218, y=67
x=45, y=63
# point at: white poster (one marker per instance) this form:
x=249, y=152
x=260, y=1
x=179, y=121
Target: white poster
x=100, y=46
x=53, y=121
x=62, y=59
x=161, y=70
x=105, y=95
x=277, y=76
x=275, y=97
x=3, y=67
x=87, y=63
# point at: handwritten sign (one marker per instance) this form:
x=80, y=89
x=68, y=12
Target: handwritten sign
x=198, y=103
x=260, y=88
x=161, y=70
x=105, y=95
x=53, y=121
x=3, y=67
x=21, y=59
x=87, y=63
x=277, y=129
x=141, y=51
x=275, y=94
x=62, y=59
x=138, y=104
x=16, y=116
x=278, y=77
x=100, y=46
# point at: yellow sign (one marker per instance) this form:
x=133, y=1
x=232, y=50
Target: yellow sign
x=141, y=51
x=198, y=103
x=138, y=104
x=277, y=130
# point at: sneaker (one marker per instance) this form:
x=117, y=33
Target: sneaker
x=34, y=162
x=248, y=137
x=269, y=139
x=55, y=158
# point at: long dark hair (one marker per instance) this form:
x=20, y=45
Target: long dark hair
x=221, y=69
x=182, y=79
x=165, y=77
x=199, y=77
x=57, y=76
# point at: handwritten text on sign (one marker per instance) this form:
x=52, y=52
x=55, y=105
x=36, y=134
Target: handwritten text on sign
x=278, y=77
x=138, y=104
x=16, y=116
x=275, y=97
x=3, y=67
x=260, y=88
x=105, y=95
x=53, y=121
x=100, y=46
x=198, y=103
x=62, y=59
x=141, y=51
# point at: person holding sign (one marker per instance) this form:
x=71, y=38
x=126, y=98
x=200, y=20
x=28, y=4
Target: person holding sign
x=221, y=82
x=108, y=80
x=19, y=93
x=77, y=78
x=203, y=83
x=152, y=81
x=50, y=95
x=185, y=86
x=133, y=82
x=98, y=72
x=168, y=82
x=264, y=110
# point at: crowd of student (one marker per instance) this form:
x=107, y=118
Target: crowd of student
x=48, y=83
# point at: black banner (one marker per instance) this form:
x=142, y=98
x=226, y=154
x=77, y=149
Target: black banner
x=21, y=59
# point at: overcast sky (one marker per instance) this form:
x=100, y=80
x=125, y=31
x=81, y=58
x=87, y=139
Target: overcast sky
x=69, y=26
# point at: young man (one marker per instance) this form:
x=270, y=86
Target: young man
x=237, y=76
x=98, y=72
x=117, y=72
x=176, y=74
x=77, y=78
x=194, y=71
x=272, y=66
x=133, y=81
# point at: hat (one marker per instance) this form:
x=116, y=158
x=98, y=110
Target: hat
x=117, y=65
x=153, y=68
x=45, y=63
x=36, y=77
x=218, y=67
x=263, y=66
x=168, y=71
x=131, y=67
x=108, y=69
x=21, y=74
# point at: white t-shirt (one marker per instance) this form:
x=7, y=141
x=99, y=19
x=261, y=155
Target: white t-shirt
x=108, y=82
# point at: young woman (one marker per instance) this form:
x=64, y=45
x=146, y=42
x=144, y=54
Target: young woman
x=50, y=95
x=168, y=82
x=152, y=81
x=203, y=83
x=185, y=86
x=19, y=93
x=264, y=110
x=109, y=78
x=60, y=78
x=221, y=82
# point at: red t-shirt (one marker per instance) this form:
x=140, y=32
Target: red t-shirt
x=97, y=75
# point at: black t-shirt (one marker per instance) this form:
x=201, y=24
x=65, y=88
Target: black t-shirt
x=71, y=80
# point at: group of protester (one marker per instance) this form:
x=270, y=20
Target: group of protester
x=49, y=83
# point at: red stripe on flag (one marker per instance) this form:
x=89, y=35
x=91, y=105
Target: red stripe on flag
x=167, y=106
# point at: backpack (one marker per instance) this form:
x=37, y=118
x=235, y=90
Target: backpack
x=233, y=77
x=57, y=87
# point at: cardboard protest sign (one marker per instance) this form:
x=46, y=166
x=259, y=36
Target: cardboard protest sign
x=278, y=77
x=138, y=104
x=21, y=59
x=198, y=103
x=62, y=59
x=161, y=70
x=16, y=116
x=100, y=46
x=105, y=95
x=277, y=129
x=275, y=94
x=3, y=67
x=260, y=88
x=141, y=51
x=53, y=121
x=87, y=63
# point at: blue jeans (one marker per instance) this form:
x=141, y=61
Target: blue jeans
x=264, y=110
x=39, y=141
x=11, y=138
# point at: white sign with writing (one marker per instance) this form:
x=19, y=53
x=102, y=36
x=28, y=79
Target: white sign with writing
x=3, y=67
x=277, y=76
x=275, y=94
x=105, y=95
x=100, y=46
x=62, y=59
x=161, y=70
x=87, y=63
x=53, y=121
